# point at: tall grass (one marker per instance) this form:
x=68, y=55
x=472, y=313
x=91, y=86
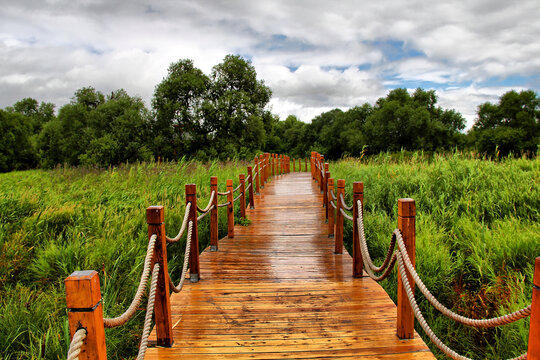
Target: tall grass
x=55, y=222
x=478, y=233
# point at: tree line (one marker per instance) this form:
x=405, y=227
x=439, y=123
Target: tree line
x=224, y=115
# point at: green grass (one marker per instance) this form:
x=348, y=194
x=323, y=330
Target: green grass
x=58, y=221
x=478, y=233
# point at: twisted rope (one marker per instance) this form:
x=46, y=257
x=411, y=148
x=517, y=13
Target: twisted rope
x=209, y=206
x=247, y=187
x=348, y=217
x=484, y=323
x=224, y=193
x=205, y=213
x=238, y=197
x=236, y=188
x=248, y=177
x=76, y=344
x=343, y=205
x=149, y=313
x=332, y=203
x=183, y=228
x=178, y=287
x=225, y=204
x=128, y=314
x=333, y=195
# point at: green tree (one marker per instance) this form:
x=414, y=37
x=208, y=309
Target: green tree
x=178, y=128
x=512, y=125
x=16, y=150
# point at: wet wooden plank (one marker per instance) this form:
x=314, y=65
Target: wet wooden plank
x=277, y=290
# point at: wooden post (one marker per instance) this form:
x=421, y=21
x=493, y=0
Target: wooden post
x=83, y=300
x=243, y=196
x=339, y=217
x=261, y=170
x=155, y=217
x=312, y=163
x=273, y=163
x=406, y=224
x=533, y=352
x=194, y=267
x=230, y=209
x=257, y=177
x=324, y=185
x=321, y=170
x=293, y=165
x=358, y=194
x=326, y=194
x=251, y=191
x=214, y=215
x=330, y=208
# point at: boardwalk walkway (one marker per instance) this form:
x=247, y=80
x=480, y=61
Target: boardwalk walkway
x=277, y=290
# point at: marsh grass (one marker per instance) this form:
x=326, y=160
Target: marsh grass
x=478, y=234
x=55, y=222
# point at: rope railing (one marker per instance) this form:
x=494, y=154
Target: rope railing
x=87, y=345
x=183, y=227
x=401, y=251
x=208, y=207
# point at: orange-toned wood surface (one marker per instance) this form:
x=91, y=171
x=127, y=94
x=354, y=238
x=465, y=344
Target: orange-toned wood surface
x=277, y=290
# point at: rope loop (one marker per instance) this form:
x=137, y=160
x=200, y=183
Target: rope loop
x=209, y=206
x=183, y=228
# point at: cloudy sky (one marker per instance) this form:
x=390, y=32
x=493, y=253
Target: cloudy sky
x=314, y=55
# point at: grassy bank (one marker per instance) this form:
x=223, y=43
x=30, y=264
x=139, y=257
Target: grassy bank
x=55, y=222
x=478, y=234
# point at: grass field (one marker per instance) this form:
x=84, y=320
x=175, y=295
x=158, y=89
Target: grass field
x=477, y=224
x=55, y=222
x=478, y=233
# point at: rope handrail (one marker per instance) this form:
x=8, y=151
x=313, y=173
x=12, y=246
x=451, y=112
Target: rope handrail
x=333, y=195
x=209, y=206
x=200, y=217
x=248, y=186
x=149, y=312
x=183, y=227
x=333, y=204
x=390, y=260
x=343, y=205
x=177, y=288
x=345, y=215
x=248, y=177
x=236, y=188
x=224, y=204
x=224, y=193
x=238, y=197
x=76, y=344
x=128, y=314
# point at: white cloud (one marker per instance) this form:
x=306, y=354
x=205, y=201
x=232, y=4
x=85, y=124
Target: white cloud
x=49, y=49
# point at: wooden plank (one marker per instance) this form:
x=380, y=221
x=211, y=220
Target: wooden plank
x=277, y=290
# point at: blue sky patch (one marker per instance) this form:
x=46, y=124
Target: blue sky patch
x=283, y=43
x=394, y=50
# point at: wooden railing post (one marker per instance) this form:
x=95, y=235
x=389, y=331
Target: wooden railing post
x=267, y=168
x=280, y=164
x=312, y=163
x=326, y=194
x=358, y=194
x=321, y=171
x=261, y=170
x=230, y=209
x=155, y=217
x=339, y=217
x=273, y=163
x=406, y=224
x=251, y=191
x=83, y=300
x=257, y=177
x=330, y=208
x=214, y=214
x=324, y=185
x=243, y=196
x=533, y=352
x=194, y=267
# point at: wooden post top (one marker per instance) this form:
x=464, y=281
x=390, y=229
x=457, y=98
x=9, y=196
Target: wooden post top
x=406, y=207
x=242, y=177
x=191, y=189
x=229, y=182
x=358, y=187
x=249, y=168
x=82, y=290
x=330, y=181
x=341, y=183
x=155, y=215
x=536, y=278
x=325, y=166
x=213, y=180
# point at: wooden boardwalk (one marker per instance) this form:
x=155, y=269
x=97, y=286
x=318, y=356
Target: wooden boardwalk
x=277, y=290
